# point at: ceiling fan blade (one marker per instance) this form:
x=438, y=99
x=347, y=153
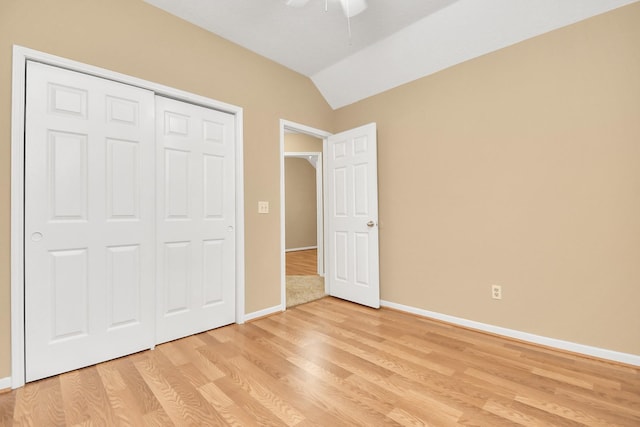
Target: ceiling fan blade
x=353, y=7
x=297, y=3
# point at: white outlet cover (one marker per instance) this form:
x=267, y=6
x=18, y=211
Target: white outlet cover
x=496, y=292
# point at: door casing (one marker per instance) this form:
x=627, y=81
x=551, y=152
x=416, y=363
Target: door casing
x=20, y=57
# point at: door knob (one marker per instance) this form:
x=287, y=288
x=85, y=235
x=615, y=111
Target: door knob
x=36, y=237
x=371, y=224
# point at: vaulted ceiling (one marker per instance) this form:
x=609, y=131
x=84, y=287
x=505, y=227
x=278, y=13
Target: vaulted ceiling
x=391, y=43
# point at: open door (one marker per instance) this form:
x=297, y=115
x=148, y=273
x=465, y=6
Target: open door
x=352, y=216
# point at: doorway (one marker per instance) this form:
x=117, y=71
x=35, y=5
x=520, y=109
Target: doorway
x=302, y=214
x=350, y=208
x=304, y=239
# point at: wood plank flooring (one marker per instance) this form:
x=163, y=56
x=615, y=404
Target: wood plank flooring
x=333, y=363
x=302, y=263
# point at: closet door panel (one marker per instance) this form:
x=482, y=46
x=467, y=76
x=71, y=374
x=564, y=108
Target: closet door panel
x=89, y=220
x=196, y=213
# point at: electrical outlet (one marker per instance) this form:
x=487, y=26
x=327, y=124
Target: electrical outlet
x=263, y=207
x=496, y=291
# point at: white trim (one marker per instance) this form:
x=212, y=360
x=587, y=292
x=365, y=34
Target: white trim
x=240, y=264
x=20, y=57
x=5, y=383
x=325, y=255
x=301, y=154
x=300, y=128
x=262, y=313
x=320, y=213
x=601, y=353
x=283, y=257
x=316, y=133
x=17, y=217
x=306, y=248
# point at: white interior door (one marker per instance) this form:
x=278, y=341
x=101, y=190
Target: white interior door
x=89, y=220
x=352, y=216
x=195, y=219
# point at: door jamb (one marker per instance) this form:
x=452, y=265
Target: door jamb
x=20, y=57
x=316, y=133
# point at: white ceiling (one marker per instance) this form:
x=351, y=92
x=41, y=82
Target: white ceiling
x=392, y=42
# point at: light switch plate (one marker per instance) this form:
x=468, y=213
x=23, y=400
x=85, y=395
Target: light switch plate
x=263, y=207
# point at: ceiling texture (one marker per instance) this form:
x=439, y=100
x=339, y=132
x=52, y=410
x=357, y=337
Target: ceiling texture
x=391, y=43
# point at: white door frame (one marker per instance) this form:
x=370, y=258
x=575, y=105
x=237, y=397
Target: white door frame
x=20, y=57
x=286, y=125
x=316, y=159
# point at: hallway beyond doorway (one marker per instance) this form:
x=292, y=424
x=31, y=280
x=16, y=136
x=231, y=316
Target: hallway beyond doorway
x=302, y=263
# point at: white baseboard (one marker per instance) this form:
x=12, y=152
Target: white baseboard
x=306, y=248
x=5, y=383
x=263, y=313
x=601, y=353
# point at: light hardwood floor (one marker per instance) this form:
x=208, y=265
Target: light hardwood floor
x=302, y=263
x=333, y=363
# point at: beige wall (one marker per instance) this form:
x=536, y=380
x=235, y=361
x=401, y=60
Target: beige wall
x=134, y=38
x=519, y=168
x=299, y=142
x=300, y=204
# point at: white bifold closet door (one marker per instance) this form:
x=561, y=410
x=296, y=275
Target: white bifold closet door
x=89, y=220
x=195, y=218
x=129, y=220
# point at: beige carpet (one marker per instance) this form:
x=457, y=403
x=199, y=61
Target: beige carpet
x=301, y=289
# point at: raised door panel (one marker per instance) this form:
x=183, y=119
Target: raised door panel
x=69, y=313
x=176, y=184
x=340, y=192
x=213, y=272
x=123, y=111
x=360, y=191
x=341, y=256
x=213, y=186
x=124, y=283
x=177, y=278
x=68, y=180
x=123, y=180
x=67, y=100
x=362, y=258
